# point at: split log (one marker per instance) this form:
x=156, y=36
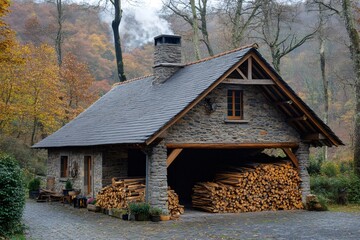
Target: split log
x=175, y=209
x=121, y=192
x=252, y=188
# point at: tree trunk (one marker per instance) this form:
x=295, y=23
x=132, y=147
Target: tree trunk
x=236, y=35
x=354, y=37
x=204, y=30
x=117, y=42
x=59, y=34
x=323, y=71
x=195, y=30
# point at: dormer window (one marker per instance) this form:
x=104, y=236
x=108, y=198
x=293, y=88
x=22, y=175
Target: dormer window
x=235, y=105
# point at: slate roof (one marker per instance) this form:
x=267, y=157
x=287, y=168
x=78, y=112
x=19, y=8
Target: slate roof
x=133, y=111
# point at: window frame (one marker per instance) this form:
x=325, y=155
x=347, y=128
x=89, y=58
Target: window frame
x=64, y=166
x=234, y=109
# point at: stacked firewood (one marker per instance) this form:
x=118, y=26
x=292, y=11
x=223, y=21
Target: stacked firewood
x=175, y=209
x=255, y=187
x=121, y=192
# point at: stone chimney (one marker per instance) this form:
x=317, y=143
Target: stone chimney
x=167, y=57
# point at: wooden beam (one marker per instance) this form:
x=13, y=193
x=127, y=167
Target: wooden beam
x=258, y=70
x=241, y=73
x=293, y=98
x=174, y=153
x=313, y=136
x=250, y=68
x=285, y=102
x=301, y=118
x=248, y=82
x=292, y=157
x=232, y=145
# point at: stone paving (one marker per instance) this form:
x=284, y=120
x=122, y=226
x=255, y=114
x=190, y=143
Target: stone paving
x=58, y=221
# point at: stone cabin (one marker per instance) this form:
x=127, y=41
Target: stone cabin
x=177, y=126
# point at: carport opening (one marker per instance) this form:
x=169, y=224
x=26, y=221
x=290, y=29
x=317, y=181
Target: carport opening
x=136, y=163
x=201, y=165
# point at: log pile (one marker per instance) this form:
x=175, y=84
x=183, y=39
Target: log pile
x=121, y=192
x=175, y=209
x=251, y=188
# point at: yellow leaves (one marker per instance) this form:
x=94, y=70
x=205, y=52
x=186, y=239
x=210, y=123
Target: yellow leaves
x=29, y=93
x=77, y=81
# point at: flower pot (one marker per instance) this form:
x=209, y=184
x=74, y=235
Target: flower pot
x=93, y=208
x=105, y=211
x=141, y=217
x=34, y=194
x=164, y=217
x=66, y=192
x=155, y=218
x=125, y=217
x=116, y=214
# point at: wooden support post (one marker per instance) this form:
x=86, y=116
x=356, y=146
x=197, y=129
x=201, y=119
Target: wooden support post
x=250, y=68
x=173, y=156
x=292, y=157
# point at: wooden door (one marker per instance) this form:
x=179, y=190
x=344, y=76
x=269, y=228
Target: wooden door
x=88, y=175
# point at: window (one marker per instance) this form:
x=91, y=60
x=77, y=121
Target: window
x=235, y=105
x=64, y=166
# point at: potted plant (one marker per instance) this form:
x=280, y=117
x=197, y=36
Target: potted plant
x=124, y=214
x=117, y=212
x=34, y=186
x=140, y=210
x=68, y=187
x=155, y=214
x=164, y=216
x=91, y=205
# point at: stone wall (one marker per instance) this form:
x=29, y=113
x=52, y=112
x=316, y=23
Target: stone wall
x=302, y=154
x=115, y=164
x=75, y=156
x=262, y=123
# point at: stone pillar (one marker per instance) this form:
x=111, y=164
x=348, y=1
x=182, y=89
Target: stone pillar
x=302, y=154
x=156, y=176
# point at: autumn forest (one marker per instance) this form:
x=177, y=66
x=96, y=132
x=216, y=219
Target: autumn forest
x=55, y=62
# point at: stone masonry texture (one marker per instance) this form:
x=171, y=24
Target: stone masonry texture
x=157, y=176
x=302, y=154
x=166, y=53
x=75, y=156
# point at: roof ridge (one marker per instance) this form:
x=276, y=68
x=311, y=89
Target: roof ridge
x=131, y=80
x=254, y=45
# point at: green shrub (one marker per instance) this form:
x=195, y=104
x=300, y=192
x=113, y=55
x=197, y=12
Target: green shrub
x=330, y=169
x=139, y=208
x=333, y=187
x=68, y=185
x=314, y=166
x=34, y=184
x=323, y=202
x=346, y=167
x=155, y=211
x=12, y=196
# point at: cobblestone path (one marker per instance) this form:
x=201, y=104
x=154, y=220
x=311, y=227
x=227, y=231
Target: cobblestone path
x=57, y=221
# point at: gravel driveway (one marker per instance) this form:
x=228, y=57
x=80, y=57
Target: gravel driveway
x=58, y=221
